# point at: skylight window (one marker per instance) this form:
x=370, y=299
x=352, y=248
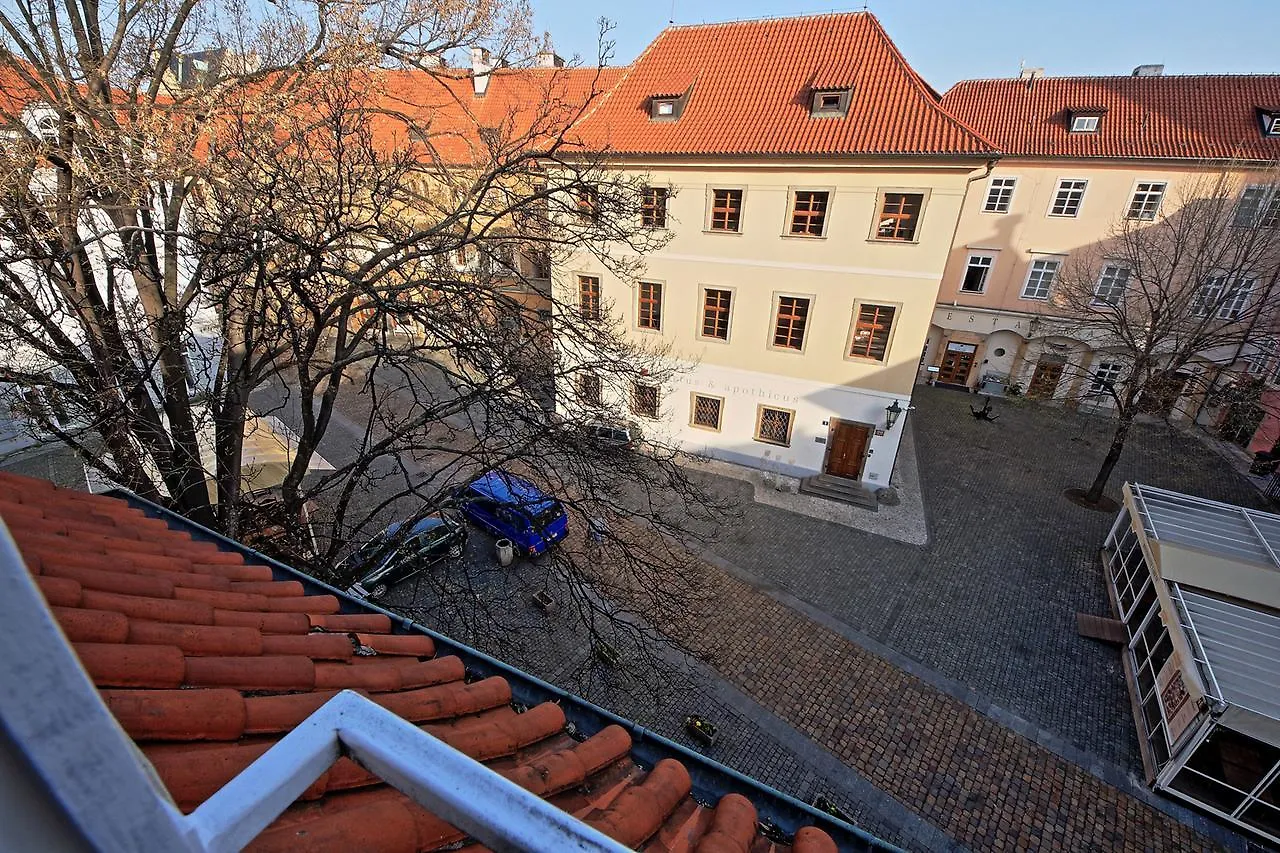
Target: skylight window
x=830, y=103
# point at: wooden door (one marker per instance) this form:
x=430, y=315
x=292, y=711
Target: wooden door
x=846, y=449
x=1161, y=393
x=1044, y=382
x=956, y=363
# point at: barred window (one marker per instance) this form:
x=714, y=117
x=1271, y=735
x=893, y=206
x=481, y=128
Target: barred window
x=644, y=400
x=773, y=426
x=589, y=389
x=706, y=411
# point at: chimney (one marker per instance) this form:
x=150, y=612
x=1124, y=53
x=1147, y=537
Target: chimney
x=1030, y=74
x=1149, y=71
x=549, y=59
x=480, y=68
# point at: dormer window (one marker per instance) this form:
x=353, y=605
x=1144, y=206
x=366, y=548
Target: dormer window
x=1086, y=121
x=667, y=107
x=829, y=103
x=1270, y=118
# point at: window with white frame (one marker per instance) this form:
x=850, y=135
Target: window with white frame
x=1222, y=297
x=975, y=273
x=1085, y=123
x=1147, y=197
x=1111, y=285
x=999, y=195
x=1040, y=278
x=1235, y=298
x=1259, y=207
x=1105, y=376
x=1068, y=197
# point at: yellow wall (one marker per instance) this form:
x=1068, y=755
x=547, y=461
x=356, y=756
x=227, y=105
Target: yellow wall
x=836, y=270
x=1026, y=230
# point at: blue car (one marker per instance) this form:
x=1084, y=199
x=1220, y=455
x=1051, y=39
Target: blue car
x=511, y=507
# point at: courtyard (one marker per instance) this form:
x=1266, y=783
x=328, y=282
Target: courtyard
x=946, y=680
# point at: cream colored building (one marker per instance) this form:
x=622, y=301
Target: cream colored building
x=1078, y=156
x=806, y=245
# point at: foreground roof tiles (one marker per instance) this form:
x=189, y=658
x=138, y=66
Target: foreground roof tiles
x=751, y=88
x=1174, y=117
x=206, y=661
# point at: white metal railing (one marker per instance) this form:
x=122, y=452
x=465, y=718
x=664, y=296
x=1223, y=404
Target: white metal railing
x=98, y=782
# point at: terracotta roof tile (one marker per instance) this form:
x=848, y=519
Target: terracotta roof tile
x=752, y=86
x=206, y=661
x=1163, y=117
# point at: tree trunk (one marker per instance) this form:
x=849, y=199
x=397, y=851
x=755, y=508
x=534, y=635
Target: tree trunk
x=1112, y=457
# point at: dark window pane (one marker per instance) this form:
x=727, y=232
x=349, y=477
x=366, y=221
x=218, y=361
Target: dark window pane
x=899, y=214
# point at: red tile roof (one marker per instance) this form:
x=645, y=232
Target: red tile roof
x=206, y=660
x=519, y=102
x=1174, y=117
x=752, y=89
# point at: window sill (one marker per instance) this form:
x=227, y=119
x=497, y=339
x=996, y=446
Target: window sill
x=788, y=236
x=1062, y=215
x=964, y=292
x=1034, y=298
x=705, y=428
x=994, y=212
x=737, y=233
x=771, y=443
x=862, y=359
x=787, y=350
x=709, y=340
x=894, y=242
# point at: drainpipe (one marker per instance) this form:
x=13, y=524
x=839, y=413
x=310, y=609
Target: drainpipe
x=986, y=173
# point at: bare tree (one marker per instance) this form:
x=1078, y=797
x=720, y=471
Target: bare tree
x=1171, y=304
x=321, y=228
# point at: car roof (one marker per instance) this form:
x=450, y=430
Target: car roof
x=422, y=526
x=505, y=487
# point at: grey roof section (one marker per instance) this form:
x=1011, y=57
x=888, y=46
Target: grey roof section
x=1219, y=528
x=1237, y=648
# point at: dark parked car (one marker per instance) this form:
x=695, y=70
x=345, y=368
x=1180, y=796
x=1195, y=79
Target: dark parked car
x=393, y=556
x=513, y=508
x=616, y=434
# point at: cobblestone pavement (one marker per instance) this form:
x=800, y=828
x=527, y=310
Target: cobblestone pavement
x=990, y=602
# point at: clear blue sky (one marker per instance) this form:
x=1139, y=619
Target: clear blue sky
x=949, y=40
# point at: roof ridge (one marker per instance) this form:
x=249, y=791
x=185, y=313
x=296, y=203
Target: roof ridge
x=764, y=19
x=1077, y=77
x=622, y=78
x=933, y=98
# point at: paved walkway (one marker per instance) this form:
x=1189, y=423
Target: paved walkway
x=990, y=602
x=904, y=522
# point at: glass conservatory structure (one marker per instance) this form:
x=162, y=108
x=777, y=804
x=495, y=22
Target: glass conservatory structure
x=1197, y=585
